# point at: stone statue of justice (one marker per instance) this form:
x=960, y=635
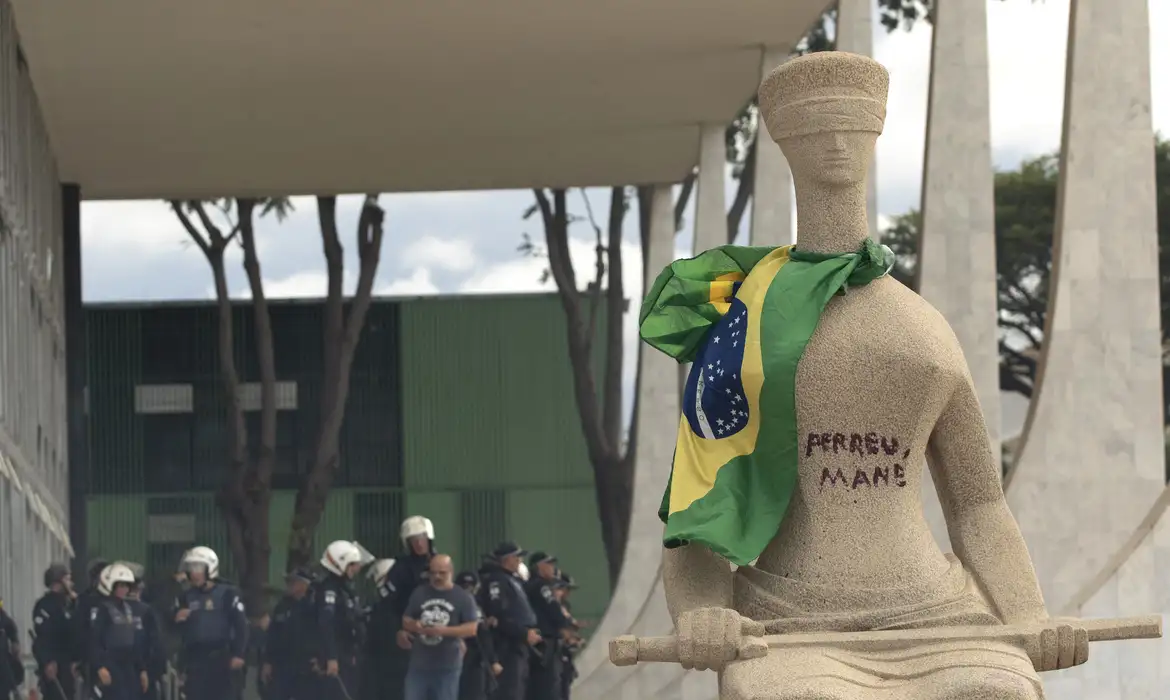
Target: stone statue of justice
x=797, y=561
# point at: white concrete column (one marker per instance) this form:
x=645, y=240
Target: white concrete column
x=855, y=35
x=1091, y=463
x=657, y=416
x=957, y=248
x=710, y=204
x=772, y=199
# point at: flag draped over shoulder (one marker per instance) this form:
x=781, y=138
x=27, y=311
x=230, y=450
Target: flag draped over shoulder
x=743, y=316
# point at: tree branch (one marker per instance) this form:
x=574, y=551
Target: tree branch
x=204, y=244
x=333, y=322
x=599, y=276
x=611, y=387
x=265, y=350
x=556, y=225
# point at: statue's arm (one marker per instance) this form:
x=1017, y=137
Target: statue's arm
x=983, y=532
x=695, y=577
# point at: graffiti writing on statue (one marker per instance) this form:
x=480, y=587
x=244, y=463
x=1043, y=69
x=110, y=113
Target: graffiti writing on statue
x=871, y=445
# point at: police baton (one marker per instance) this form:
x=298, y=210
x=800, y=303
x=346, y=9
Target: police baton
x=344, y=690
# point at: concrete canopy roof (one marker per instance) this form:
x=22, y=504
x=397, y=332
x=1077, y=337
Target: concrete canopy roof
x=160, y=98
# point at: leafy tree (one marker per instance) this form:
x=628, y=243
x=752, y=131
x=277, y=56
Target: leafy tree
x=1025, y=219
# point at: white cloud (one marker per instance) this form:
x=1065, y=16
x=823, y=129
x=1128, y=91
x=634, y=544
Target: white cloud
x=309, y=283
x=418, y=284
x=455, y=255
x=146, y=228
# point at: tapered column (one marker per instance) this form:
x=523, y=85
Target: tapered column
x=956, y=265
x=855, y=35
x=657, y=415
x=1091, y=462
x=710, y=205
x=772, y=198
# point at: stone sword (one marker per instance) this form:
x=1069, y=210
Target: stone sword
x=628, y=650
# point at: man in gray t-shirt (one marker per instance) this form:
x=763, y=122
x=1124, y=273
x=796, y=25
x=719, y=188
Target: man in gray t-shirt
x=439, y=616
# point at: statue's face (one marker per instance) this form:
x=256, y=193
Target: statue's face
x=833, y=158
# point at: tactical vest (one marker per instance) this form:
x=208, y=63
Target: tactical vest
x=122, y=632
x=208, y=624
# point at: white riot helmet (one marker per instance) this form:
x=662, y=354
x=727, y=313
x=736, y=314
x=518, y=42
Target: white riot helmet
x=380, y=570
x=202, y=556
x=522, y=572
x=112, y=575
x=414, y=526
x=339, y=555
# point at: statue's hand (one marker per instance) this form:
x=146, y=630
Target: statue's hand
x=1063, y=644
x=709, y=638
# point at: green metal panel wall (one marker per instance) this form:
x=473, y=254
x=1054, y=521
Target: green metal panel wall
x=114, y=368
x=117, y=527
x=488, y=395
x=177, y=344
x=565, y=521
x=487, y=442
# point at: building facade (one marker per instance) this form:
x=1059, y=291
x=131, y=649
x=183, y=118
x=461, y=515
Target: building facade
x=34, y=484
x=460, y=409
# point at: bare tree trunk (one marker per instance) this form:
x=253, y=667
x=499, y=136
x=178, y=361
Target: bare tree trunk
x=247, y=538
x=257, y=486
x=341, y=336
x=600, y=416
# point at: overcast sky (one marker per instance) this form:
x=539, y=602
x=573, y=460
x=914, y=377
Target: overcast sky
x=466, y=242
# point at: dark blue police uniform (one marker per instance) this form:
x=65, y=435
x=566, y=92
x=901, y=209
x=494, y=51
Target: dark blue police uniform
x=342, y=634
x=53, y=643
x=150, y=646
x=113, y=629
x=215, y=632
x=503, y=598
x=288, y=649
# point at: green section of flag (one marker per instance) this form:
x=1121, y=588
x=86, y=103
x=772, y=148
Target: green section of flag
x=677, y=311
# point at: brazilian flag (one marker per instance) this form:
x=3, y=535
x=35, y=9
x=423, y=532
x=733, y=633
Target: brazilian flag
x=742, y=316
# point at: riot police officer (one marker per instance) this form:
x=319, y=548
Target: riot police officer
x=503, y=599
x=148, y=636
x=339, y=623
x=575, y=642
x=382, y=625
x=411, y=568
x=11, y=668
x=119, y=671
x=480, y=666
x=88, y=598
x=210, y=617
x=544, y=677
x=285, y=669
x=54, y=647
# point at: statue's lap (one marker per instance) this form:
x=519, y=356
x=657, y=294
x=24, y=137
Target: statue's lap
x=925, y=673
x=956, y=669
